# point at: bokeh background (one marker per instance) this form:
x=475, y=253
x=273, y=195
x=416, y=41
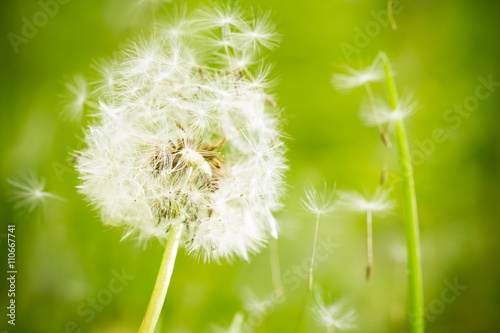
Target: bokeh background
x=66, y=257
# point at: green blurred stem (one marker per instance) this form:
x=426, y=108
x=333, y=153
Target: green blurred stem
x=383, y=134
x=311, y=269
x=415, y=280
x=369, y=244
x=162, y=281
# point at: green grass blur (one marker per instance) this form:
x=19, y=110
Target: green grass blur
x=440, y=49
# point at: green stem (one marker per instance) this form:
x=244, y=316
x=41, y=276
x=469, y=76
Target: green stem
x=415, y=280
x=311, y=269
x=369, y=244
x=162, y=281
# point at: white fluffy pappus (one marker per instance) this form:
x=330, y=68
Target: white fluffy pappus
x=379, y=201
x=332, y=314
x=353, y=78
x=381, y=113
x=184, y=133
x=319, y=202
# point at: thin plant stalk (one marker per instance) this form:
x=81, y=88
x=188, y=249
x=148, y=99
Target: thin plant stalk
x=162, y=281
x=390, y=13
x=313, y=253
x=369, y=244
x=415, y=281
x=330, y=329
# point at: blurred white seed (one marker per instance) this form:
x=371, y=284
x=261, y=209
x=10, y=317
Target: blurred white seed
x=332, y=315
x=382, y=113
x=75, y=98
x=354, y=78
x=28, y=193
x=378, y=202
x=319, y=202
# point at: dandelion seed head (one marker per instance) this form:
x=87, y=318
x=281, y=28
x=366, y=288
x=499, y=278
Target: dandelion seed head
x=184, y=138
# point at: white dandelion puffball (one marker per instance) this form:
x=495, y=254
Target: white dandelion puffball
x=185, y=134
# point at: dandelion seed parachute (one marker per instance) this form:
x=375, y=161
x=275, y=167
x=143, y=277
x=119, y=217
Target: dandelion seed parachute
x=185, y=134
x=28, y=192
x=378, y=202
x=74, y=100
x=384, y=114
x=319, y=202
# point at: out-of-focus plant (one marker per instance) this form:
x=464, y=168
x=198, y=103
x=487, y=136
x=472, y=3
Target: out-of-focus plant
x=390, y=118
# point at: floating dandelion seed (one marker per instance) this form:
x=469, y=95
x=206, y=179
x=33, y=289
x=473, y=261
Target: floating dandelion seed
x=254, y=303
x=75, y=98
x=379, y=202
x=332, y=315
x=184, y=148
x=28, y=193
x=318, y=203
x=357, y=78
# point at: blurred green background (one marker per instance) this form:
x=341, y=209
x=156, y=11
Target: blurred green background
x=67, y=257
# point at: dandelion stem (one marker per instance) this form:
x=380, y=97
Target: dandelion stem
x=330, y=329
x=162, y=281
x=369, y=244
x=313, y=253
x=415, y=280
